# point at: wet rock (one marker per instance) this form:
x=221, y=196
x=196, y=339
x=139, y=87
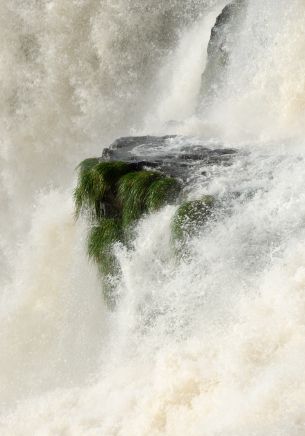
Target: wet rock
x=172, y=155
x=223, y=38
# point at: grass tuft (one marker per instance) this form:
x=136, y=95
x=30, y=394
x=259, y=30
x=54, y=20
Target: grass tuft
x=161, y=192
x=87, y=164
x=190, y=217
x=132, y=194
x=113, y=195
x=96, y=181
x=102, y=237
x=100, y=249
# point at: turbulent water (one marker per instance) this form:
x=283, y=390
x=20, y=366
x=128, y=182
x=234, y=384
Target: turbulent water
x=213, y=345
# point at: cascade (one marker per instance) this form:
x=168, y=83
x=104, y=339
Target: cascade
x=204, y=331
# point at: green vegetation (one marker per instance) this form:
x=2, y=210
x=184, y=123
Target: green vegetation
x=190, y=217
x=162, y=191
x=100, y=240
x=113, y=196
x=96, y=183
x=132, y=193
x=144, y=191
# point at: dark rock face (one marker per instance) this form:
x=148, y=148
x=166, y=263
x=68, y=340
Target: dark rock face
x=224, y=23
x=172, y=155
x=222, y=40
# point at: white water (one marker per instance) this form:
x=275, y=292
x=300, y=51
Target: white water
x=214, y=345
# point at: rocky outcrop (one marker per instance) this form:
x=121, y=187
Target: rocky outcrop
x=172, y=155
x=223, y=37
x=136, y=176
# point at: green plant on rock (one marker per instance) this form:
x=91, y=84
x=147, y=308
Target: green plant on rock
x=100, y=249
x=113, y=195
x=132, y=192
x=190, y=217
x=162, y=191
x=102, y=236
x=96, y=183
x=144, y=191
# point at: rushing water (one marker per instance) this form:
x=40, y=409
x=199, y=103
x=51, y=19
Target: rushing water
x=213, y=345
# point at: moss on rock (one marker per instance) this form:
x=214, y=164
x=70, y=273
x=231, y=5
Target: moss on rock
x=101, y=237
x=132, y=193
x=96, y=183
x=113, y=195
x=162, y=191
x=144, y=191
x=100, y=249
x=190, y=217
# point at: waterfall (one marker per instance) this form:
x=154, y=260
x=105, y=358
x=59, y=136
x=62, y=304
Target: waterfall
x=211, y=344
